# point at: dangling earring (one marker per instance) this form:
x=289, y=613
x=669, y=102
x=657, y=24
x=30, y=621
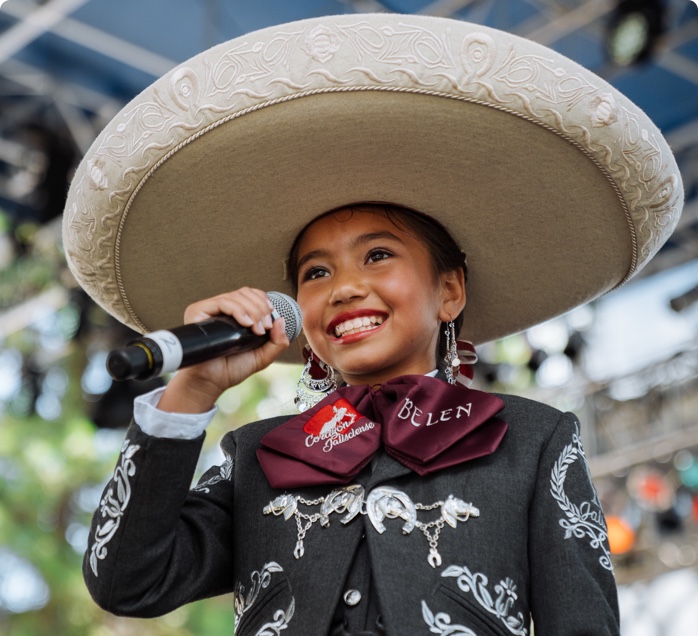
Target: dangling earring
x=313, y=386
x=451, y=358
x=467, y=357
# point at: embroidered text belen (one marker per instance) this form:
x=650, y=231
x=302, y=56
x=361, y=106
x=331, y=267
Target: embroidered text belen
x=413, y=412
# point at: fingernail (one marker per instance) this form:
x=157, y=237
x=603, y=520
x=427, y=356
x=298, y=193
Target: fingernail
x=267, y=321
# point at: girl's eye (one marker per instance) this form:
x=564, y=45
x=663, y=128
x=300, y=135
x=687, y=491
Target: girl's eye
x=314, y=272
x=378, y=254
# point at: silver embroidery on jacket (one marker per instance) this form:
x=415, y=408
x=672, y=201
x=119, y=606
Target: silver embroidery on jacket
x=281, y=620
x=440, y=623
x=501, y=607
x=243, y=602
x=586, y=519
x=113, y=505
x=225, y=474
x=382, y=503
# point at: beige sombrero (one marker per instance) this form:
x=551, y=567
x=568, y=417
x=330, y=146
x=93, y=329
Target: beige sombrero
x=557, y=187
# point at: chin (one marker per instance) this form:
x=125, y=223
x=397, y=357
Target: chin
x=359, y=368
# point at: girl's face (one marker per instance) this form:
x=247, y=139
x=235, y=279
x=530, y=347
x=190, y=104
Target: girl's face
x=371, y=301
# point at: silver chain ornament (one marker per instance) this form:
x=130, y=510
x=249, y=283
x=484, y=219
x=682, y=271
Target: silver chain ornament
x=382, y=503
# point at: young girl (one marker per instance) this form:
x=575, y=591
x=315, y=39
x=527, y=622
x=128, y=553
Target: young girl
x=477, y=545
x=402, y=502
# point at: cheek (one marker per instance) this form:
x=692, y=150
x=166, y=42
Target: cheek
x=312, y=316
x=401, y=291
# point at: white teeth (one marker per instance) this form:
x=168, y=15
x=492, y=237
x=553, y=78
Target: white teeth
x=357, y=325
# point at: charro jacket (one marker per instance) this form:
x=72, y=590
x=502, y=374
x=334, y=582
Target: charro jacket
x=477, y=549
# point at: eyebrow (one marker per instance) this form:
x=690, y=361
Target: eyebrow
x=358, y=241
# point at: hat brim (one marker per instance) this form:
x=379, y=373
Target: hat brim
x=556, y=186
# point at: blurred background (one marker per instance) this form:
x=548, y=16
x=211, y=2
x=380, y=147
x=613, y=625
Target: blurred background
x=627, y=365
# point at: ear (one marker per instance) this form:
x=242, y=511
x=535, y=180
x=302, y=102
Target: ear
x=452, y=294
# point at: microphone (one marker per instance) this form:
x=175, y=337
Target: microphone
x=164, y=351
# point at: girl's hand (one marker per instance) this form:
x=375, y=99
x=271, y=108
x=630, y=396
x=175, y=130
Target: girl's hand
x=195, y=389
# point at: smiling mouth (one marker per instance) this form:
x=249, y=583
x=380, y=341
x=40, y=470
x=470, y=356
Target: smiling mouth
x=357, y=325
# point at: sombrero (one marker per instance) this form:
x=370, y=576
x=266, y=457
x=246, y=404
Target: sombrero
x=558, y=188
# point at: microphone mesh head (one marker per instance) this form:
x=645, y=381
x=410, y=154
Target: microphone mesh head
x=288, y=308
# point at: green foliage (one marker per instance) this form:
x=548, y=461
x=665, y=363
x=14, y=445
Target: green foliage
x=51, y=477
x=53, y=469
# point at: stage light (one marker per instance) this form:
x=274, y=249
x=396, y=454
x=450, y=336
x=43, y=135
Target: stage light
x=651, y=489
x=35, y=166
x=621, y=537
x=687, y=468
x=668, y=522
x=685, y=300
x=633, y=30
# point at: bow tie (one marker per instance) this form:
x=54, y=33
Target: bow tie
x=423, y=422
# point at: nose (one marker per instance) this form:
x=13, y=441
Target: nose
x=347, y=285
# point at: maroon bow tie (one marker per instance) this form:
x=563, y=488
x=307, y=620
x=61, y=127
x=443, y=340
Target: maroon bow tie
x=423, y=422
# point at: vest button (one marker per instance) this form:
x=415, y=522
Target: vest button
x=352, y=597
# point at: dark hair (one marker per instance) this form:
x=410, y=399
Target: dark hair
x=446, y=255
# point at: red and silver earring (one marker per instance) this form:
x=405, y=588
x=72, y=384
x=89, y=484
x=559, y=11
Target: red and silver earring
x=460, y=356
x=451, y=358
x=317, y=381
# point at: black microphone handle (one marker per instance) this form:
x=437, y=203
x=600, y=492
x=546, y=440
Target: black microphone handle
x=164, y=351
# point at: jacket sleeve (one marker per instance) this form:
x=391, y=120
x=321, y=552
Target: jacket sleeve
x=573, y=590
x=150, y=548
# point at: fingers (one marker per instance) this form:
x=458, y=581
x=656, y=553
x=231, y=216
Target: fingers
x=249, y=307
x=278, y=343
x=278, y=333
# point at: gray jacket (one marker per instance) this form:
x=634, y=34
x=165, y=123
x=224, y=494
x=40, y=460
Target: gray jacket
x=479, y=548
